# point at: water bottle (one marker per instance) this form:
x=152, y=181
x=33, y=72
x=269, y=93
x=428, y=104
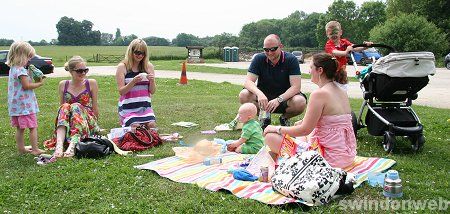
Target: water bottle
x=263, y=116
x=212, y=160
x=392, y=185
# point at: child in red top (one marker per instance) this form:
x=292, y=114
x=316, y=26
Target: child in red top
x=339, y=47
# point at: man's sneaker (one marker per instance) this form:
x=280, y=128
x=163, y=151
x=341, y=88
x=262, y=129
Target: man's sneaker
x=265, y=123
x=284, y=121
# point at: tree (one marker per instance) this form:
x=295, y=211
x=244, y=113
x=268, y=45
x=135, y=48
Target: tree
x=118, y=39
x=156, y=41
x=435, y=11
x=224, y=39
x=53, y=42
x=43, y=42
x=106, y=39
x=6, y=42
x=370, y=15
x=309, y=36
x=299, y=29
x=410, y=32
x=72, y=32
x=206, y=41
x=127, y=39
x=94, y=38
x=184, y=39
x=292, y=28
x=253, y=34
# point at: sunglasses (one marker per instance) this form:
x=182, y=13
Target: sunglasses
x=81, y=70
x=137, y=53
x=270, y=49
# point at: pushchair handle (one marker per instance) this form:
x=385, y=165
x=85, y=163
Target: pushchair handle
x=391, y=49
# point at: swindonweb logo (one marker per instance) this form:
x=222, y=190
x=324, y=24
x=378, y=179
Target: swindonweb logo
x=440, y=204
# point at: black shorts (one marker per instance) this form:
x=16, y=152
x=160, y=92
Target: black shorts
x=281, y=109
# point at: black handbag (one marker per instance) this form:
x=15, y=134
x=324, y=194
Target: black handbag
x=93, y=147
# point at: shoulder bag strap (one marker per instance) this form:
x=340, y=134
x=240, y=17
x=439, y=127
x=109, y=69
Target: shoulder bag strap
x=146, y=133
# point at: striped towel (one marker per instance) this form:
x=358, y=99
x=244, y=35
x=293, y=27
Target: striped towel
x=215, y=177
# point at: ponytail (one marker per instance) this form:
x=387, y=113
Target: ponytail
x=331, y=67
x=341, y=73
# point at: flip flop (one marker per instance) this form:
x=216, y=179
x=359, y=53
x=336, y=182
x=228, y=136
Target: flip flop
x=45, y=159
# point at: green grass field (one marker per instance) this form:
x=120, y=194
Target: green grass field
x=112, y=185
x=61, y=54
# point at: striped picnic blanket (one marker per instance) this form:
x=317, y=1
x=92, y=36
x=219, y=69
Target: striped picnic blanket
x=215, y=177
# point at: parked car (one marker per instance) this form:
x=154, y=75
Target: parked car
x=299, y=56
x=447, y=61
x=45, y=64
x=364, y=57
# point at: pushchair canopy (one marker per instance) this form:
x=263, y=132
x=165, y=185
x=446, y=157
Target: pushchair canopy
x=406, y=64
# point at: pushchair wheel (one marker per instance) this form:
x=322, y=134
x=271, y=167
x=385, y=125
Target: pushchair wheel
x=417, y=142
x=388, y=141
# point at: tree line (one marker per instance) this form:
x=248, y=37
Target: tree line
x=408, y=25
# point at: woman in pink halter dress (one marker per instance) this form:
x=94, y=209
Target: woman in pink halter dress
x=327, y=119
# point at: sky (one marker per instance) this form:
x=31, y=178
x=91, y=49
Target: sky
x=36, y=20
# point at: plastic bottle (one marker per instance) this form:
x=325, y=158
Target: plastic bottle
x=392, y=185
x=263, y=116
x=212, y=160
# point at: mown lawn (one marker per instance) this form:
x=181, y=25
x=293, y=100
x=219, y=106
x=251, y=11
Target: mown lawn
x=61, y=54
x=112, y=184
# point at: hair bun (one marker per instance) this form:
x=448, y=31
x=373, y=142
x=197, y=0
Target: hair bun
x=66, y=66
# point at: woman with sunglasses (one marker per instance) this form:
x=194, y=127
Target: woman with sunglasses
x=78, y=113
x=135, y=78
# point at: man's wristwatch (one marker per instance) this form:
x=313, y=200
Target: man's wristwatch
x=279, y=130
x=280, y=99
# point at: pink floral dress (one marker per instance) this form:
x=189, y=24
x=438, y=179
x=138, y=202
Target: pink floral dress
x=77, y=116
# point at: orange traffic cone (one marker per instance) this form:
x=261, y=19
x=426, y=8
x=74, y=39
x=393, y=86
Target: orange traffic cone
x=183, y=78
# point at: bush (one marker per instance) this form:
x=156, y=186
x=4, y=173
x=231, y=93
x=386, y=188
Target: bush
x=410, y=32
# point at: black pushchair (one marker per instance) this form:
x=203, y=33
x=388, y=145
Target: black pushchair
x=389, y=86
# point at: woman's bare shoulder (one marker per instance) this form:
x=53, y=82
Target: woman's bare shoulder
x=92, y=81
x=62, y=82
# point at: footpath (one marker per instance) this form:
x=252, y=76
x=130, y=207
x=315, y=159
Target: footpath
x=435, y=94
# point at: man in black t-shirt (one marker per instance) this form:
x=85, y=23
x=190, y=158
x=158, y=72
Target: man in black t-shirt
x=277, y=90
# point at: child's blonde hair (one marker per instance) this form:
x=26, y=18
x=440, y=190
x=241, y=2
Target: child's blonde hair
x=73, y=62
x=136, y=45
x=19, y=53
x=333, y=25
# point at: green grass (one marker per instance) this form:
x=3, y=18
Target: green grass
x=113, y=185
x=61, y=54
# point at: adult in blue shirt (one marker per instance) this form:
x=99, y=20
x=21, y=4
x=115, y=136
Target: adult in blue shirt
x=273, y=82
